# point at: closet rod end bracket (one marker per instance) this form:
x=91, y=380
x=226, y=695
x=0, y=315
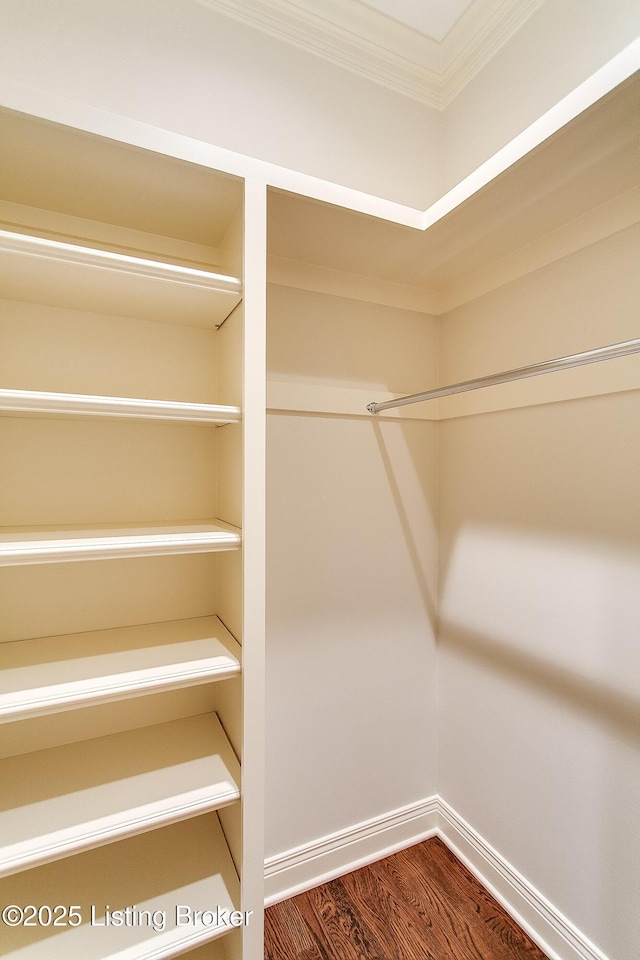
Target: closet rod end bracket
x=372, y=407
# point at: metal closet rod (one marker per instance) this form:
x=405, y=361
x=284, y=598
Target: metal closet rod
x=518, y=373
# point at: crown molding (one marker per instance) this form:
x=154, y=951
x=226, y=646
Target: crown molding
x=349, y=35
x=378, y=48
x=476, y=38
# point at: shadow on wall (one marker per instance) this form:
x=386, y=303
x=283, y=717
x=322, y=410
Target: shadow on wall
x=618, y=710
x=551, y=614
x=398, y=478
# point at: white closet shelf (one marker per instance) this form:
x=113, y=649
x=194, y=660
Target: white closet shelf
x=50, y=674
x=37, y=403
x=187, y=864
x=25, y=545
x=101, y=281
x=64, y=800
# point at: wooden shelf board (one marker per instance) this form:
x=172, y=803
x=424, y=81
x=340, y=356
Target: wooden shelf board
x=26, y=545
x=100, y=281
x=185, y=864
x=51, y=674
x=64, y=800
x=36, y=403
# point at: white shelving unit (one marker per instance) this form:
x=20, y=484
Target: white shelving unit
x=85, y=278
x=36, y=403
x=68, y=799
x=26, y=546
x=121, y=412
x=186, y=864
x=42, y=676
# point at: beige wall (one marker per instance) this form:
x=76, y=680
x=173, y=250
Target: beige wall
x=539, y=580
x=183, y=67
x=562, y=44
x=351, y=575
x=579, y=302
x=351, y=548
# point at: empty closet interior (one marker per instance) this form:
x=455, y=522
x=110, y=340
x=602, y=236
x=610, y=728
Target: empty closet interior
x=121, y=354
x=451, y=586
x=459, y=619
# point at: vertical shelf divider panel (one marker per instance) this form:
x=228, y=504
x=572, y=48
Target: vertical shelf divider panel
x=254, y=507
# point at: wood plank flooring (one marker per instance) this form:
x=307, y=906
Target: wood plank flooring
x=419, y=904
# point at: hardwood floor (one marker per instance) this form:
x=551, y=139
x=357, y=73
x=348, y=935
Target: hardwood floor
x=419, y=904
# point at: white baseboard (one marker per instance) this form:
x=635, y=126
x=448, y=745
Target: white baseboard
x=321, y=860
x=325, y=859
x=544, y=923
